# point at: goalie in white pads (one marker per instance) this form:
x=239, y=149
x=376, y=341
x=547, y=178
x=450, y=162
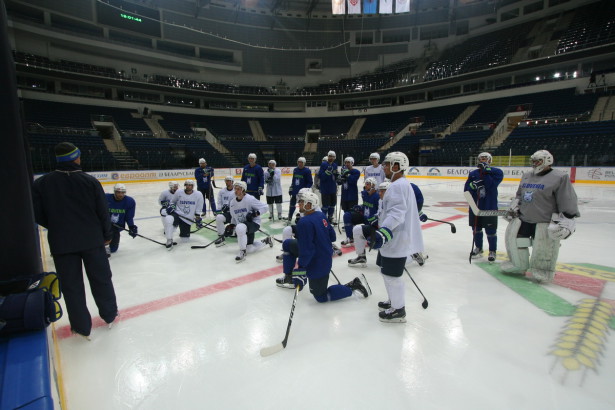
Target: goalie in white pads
x=184, y=205
x=246, y=213
x=541, y=215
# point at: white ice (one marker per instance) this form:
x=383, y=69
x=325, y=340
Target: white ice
x=193, y=322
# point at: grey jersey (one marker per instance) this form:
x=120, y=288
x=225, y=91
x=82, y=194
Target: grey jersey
x=542, y=195
x=225, y=197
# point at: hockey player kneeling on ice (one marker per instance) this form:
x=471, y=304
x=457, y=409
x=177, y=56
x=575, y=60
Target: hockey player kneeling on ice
x=121, y=212
x=541, y=215
x=185, y=207
x=246, y=213
x=312, y=250
x=361, y=214
x=223, y=216
x=398, y=235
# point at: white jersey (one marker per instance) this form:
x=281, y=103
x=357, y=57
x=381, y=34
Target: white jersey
x=225, y=196
x=374, y=172
x=165, y=197
x=239, y=209
x=274, y=188
x=187, y=205
x=400, y=214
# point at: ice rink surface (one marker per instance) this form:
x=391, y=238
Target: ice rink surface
x=192, y=323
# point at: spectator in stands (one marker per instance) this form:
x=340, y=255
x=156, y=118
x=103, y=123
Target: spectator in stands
x=72, y=206
x=254, y=177
x=204, y=176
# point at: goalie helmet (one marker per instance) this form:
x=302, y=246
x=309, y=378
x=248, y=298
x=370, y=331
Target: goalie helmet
x=310, y=198
x=252, y=155
x=349, y=159
x=398, y=158
x=374, y=155
x=301, y=159
x=242, y=185
x=202, y=161
x=119, y=188
x=331, y=154
x=485, y=157
x=540, y=160
x=371, y=181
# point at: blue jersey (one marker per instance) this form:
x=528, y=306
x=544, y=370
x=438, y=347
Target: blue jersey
x=370, y=204
x=203, y=177
x=418, y=195
x=253, y=177
x=314, y=236
x=121, y=212
x=350, y=190
x=327, y=178
x=486, y=193
x=302, y=178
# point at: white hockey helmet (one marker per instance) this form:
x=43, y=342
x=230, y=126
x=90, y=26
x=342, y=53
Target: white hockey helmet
x=301, y=159
x=202, y=161
x=173, y=184
x=540, y=160
x=374, y=155
x=252, y=155
x=485, y=157
x=241, y=184
x=384, y=185
x=310, y=198
x=303, y=191
x=189, y=182
x=331, y=154
x=398, y=158
x=119, y=188
x=371, y=181
x=325, y=158
x=229, y=178
x=272, y=161
x=349, y=159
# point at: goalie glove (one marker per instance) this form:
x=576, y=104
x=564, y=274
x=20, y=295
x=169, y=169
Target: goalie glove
x=561, y=227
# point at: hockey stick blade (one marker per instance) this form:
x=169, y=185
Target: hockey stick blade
x=478, y=212
x=425, y=303
x=453, y=228
x=267, y=351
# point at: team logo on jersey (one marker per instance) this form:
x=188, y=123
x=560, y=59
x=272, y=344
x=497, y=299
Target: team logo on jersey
x=115, y=218
x=528, y=196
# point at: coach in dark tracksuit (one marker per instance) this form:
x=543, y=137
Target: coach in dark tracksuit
x=72, y=206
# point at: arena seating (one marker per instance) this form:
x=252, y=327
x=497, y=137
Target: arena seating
x=591, y=26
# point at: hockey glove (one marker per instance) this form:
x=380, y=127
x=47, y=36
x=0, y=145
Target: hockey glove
x=561, y=227
x=474, y=185
x=513, y=210
x=271, y=172
x=170, y=209
x=251, y=215
x=290, y=191
x=229, y=230
x=224, y=209
x=483, y=166
x=422, y=217
x=132, y=231
x=165, y=204
x=199, y=222
x=379, y=237
x=297, y=217
x=268, y=180
x=299, y=277
x=260, y=190
x=373, y=221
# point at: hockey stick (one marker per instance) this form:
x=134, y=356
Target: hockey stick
x=204, y=226
x=144, y=237
x=425, y=303
x=336, y=278
x=204, y=246
x=484, y=212
x=453, y=228
x=272, y=237
x=268, y=351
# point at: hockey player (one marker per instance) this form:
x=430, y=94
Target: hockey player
x=121, y=212
x=246, y=221
x=204, y=176
x=375, y=170
x=273, y=179
x=223, y=216
x=348, y=179
x=483, y=184
x=313, y=255
x=184, y=209
x=302, y=178
x=254, y=178
x=327, y=176
x=361, y=214
x=397, y=237
x=541, y=215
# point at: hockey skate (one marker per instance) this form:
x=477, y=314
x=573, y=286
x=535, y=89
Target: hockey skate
x=491, y=257
x=74, y=332
x=279, y=258
x=347, y=243
x=419, y=258
x=393, y=315
x=220, y=241
x=285, y=282
x=359, y=262
x=336, y=250
x=384, y=305
x=357, y=285
x=169, y=244
x=108, y=251
x=268, y=241
x=241, y=256
x=477, y=253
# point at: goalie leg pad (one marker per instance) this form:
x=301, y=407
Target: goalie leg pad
x=517, y=250
x=544, y=254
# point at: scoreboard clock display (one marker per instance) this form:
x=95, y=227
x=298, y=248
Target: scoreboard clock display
x=128, y=16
